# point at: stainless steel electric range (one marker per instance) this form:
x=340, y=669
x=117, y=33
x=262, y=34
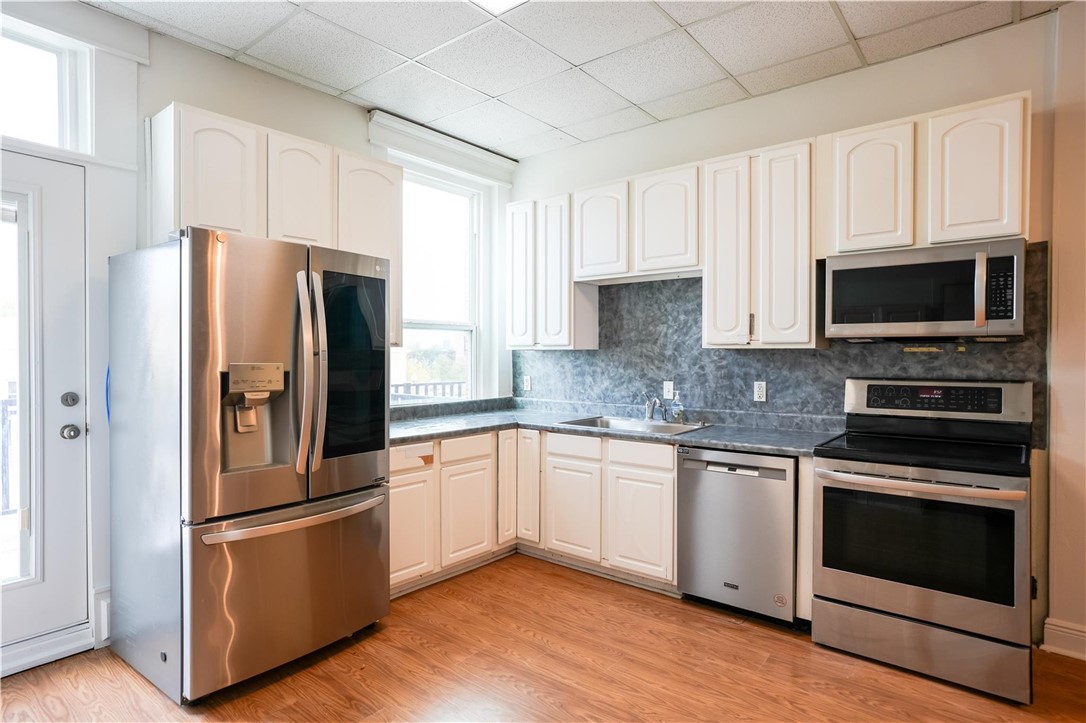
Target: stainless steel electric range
x=922, y=531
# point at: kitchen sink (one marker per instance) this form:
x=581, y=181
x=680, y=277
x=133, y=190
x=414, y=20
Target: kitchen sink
x=634, y=425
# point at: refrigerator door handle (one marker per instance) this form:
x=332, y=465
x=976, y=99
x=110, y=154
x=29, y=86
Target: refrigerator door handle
x=322, y=372
x=305, y=313
x=249, y=533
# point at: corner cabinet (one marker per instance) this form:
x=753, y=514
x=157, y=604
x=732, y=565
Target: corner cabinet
x=528, y=484
x=508, y=468
x=545, y=308
x=873, y=188
x=976, y=171
x=757, y=289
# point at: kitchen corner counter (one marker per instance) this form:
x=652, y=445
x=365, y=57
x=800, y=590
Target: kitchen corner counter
x=716, y=436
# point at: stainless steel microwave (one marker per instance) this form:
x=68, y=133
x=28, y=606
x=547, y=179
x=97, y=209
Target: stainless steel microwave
x=962, y=290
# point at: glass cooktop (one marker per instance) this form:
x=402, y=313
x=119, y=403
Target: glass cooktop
x=965, y=456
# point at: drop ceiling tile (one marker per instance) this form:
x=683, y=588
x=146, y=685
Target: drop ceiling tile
x=409, y=28
x=691, y=101
x=767, y=33
x=233, y=24
x=656, y=68
x=566, y=98
x=294, y=77
x=582, y=31
x=1032, y=7
x=418, y=93
x=878, y=16
x=624, y=120
x=550, y=140
x=801, y=70
x=315, y=48
x=691, y=11
x=935, y=31
x=494, y=59
x=160, y=27
x=490, y=124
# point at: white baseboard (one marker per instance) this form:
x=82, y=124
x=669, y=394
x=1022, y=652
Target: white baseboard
x=45, y=649
x=100, y=616
x=1065, y=638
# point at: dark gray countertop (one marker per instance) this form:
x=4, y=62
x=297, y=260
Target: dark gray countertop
x=716, y=436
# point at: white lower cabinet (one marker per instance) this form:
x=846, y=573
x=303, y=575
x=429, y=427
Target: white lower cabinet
x=413, y=525
x=528, y=471
x=640, y=508
x=507, y=485
x=573, y=475
x=467, y=510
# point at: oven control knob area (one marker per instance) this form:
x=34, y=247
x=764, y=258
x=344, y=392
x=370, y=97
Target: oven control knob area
x=904, y=402
x=874, y=402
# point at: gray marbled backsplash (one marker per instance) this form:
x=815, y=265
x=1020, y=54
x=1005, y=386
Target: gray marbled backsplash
x=651, y=331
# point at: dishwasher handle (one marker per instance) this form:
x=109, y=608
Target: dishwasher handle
x=734, y=469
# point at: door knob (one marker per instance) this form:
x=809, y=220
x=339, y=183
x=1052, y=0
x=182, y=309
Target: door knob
x=69, y=431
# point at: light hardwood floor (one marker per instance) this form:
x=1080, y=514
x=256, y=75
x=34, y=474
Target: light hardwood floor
x=523, y=639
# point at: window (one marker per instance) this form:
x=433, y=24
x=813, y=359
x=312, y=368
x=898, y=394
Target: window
x=437, y=361
x=46, y=87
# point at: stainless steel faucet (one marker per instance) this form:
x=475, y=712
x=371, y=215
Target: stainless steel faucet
x=650, y=408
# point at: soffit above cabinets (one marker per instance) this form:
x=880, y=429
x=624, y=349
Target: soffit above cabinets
x=545, y=75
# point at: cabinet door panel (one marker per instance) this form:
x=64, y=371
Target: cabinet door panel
x=552, y=266
x=640, y=514
x=369, y=220
x=467, y=511
x=413, y=524
x=221, y=181
x=874, y=185
x=600, y=240
x=299, y=190
x=666, y=220
x=520, y=310
x=784, y=246
x=528, y=484
x=507, y=485
x=975, y=170
x=572, y=495
x=726, y=284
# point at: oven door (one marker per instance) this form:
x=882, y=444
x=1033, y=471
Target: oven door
x=349, y=448
x=944, y=547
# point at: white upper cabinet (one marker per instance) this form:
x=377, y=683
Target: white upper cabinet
x=665, y=220
x=299, y=190
x=784, y=245
x=873, y=188
x=976, y=172
x=726, y=219
x=520, y=307
x=600, y=234
x=552, y=273
x=370, y=221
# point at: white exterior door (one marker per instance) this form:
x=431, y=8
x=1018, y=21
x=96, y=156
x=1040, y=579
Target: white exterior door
x=665, y=220
x=43, y=523
x=600, y=236
x=873, y=176
x=520, y=309
x=299, y=190
x=726, y=287
x=412, y=524
x=572, y=495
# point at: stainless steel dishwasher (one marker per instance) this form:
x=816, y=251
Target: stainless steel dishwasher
x=737, y=530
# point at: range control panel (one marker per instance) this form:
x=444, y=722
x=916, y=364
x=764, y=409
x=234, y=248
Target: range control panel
x=936, y=398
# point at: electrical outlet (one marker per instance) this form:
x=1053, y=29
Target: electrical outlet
x=527, y=383
x=759, y=391
x=669, y=390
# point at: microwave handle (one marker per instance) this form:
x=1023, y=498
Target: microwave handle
x=980, y=291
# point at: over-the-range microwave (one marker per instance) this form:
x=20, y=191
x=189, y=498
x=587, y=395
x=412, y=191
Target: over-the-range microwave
x=962, y=290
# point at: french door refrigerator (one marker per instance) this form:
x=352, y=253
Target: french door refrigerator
x=249, y=455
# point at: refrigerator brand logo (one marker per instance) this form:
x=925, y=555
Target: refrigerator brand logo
x=733, y=586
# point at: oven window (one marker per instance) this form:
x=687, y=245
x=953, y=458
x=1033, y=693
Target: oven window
x=354, y=307
x=955, y=548
x=899, y=294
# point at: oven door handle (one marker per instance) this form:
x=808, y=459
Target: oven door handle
x=909, y=486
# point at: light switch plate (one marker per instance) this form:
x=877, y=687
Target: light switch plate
x=669, y=390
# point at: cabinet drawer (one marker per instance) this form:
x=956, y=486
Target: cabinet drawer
x=641, y=454
x=568, y=445
x=479, y=445
x=410, y=456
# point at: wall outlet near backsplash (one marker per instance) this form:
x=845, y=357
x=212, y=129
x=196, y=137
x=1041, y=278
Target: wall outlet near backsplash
x=527, y=383
x=759, y=391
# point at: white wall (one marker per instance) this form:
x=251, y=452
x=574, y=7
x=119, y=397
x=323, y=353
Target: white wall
x=1003, y=61
x=1065, y=629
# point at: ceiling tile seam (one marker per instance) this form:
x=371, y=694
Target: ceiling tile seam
x=452, y=40
x=357, y=35
x=149, y=22
x=848, y=32
x=923, y=20
x=298, y=9
x=727, y=73
x=725, y=11
x=666, y=16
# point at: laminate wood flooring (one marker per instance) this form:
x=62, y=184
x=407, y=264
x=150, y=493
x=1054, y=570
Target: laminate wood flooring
x=523, y=639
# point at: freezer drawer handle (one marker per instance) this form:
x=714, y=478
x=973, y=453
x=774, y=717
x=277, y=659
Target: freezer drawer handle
x=925, y=487
x=249, y=533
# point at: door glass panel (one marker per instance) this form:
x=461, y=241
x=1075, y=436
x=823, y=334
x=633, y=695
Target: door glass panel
x=15, y=551
x=940, y=291
x=357, y=389
x=951, y=547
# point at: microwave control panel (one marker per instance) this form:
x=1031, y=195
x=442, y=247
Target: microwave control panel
x=1001, y=287
x=983, y=400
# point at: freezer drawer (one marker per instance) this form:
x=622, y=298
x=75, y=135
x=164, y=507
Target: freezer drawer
x=265, y=589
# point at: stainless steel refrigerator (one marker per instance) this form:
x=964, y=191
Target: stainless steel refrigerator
x=249, y=455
